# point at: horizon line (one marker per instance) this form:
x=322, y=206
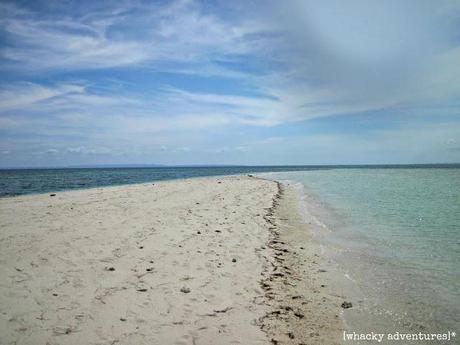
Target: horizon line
x=134, y=166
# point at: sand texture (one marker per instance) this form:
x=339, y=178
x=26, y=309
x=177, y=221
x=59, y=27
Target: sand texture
x=181, y=262
x=304, y=308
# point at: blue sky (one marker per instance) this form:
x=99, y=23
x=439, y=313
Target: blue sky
x=229, y=82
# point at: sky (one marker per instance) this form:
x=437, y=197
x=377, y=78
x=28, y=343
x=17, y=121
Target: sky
x=229, y=82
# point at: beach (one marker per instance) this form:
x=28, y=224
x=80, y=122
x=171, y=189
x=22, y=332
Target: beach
x=215, y=260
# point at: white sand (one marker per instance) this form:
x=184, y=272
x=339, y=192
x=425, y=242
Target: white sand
x=56, y=256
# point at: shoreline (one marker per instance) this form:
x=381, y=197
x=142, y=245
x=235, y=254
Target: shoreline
x=303, y=300
x=202, y=261
x=389, y=291
x=118, y=185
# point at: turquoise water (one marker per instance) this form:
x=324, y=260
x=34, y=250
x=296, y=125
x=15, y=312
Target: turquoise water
x=396, y=234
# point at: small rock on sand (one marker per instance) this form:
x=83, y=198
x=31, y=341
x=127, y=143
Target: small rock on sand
x=185, y=289
x=346, y=305
x=299, y=315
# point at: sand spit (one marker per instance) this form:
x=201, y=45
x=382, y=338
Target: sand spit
x=199, y=261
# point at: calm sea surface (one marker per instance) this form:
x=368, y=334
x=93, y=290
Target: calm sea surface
x=30, y=181
x=396, y=234
x=393, y=232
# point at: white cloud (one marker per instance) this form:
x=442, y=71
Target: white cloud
x=83, y=150
x=66, y=43
x=422, y=143
x=22, y=95
x=137, y=34
x=369, y=55
x=263, y=111
x=62, y=100
x=78, y=149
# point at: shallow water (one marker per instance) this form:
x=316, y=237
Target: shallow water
x=396, y=234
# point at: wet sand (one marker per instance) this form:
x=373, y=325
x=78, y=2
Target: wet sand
x=219, y=260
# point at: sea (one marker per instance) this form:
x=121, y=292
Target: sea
x=391, y=233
